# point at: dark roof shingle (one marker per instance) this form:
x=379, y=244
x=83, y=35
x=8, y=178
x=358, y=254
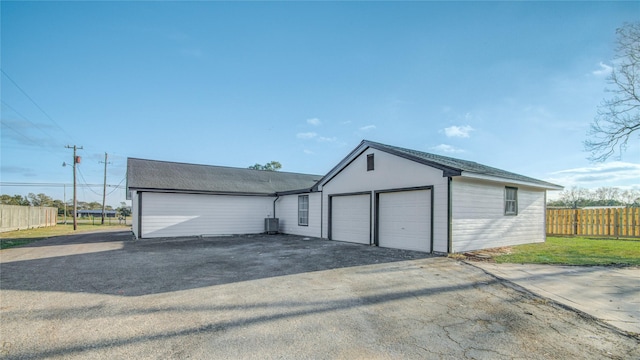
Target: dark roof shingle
x=164, y=175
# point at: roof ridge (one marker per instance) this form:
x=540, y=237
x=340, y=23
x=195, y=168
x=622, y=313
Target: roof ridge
x=221, y=166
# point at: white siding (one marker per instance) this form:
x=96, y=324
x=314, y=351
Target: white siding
x=479, y=222
x=168, y=215
x=405, y=220
x=287, y=212
x=134, y=214
x=392, y=172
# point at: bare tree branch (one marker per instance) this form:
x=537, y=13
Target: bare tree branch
x=618, y=117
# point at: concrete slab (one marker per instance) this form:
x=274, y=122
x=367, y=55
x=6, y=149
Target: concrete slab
x=104, y=296
x=607, y=293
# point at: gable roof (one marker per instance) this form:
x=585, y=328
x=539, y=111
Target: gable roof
x=180, y=177
x=450, y=166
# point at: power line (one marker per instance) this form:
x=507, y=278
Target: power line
x=27, y=119
x=85, y=182
x=116, y=187
x=36, y=104
x=19, y=133
x=32, y=184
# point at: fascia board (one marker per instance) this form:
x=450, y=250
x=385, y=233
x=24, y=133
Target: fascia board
x=466, y=174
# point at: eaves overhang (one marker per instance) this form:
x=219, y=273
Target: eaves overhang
x=536, y=184
x=201, y=192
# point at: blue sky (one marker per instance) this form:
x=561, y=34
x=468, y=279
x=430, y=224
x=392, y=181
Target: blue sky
x=513, y=85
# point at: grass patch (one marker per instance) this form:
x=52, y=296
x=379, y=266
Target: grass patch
x=575, y=251
x=21, y=237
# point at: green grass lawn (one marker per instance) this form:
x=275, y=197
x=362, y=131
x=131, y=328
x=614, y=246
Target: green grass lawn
x=575, y=251
x=22, y=237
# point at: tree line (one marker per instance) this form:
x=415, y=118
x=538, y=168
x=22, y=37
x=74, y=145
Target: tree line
x=42, y=199
x=577, y=197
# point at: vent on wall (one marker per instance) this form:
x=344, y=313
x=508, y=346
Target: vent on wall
x=271, y=225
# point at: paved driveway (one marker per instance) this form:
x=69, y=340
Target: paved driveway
x=607, y=293
x=106, y=296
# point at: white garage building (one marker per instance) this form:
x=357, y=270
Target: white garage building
x=378, y=195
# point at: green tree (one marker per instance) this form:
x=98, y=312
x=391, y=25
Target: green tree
x=60, y=205
x=270, y=166
x=94, y=205
x=40, y=199
x=124, y=210
x=14, y=200
x=618, y=116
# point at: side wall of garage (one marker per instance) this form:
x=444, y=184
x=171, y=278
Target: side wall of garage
x=172, y=214
x=479, y=220
x=134, y=213
x=287, y=212
x=390, y=172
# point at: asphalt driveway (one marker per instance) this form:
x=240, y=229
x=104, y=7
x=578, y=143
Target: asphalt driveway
x=105, y=296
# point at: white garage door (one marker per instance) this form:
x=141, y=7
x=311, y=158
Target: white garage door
x=404, y=220
x=171, y=215
x=351, y=218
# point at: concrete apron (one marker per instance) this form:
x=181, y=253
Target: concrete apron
x=609, y=294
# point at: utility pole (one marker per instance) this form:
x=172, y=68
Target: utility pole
x=104, y=188
x=65, y=203
x=76, y=160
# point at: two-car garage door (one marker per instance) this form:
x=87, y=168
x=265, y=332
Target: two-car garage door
x=402, y=218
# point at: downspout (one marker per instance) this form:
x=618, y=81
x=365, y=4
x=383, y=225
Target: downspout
x=139, y=215
x=321, y=212
x=274, y=205
x=449, y=218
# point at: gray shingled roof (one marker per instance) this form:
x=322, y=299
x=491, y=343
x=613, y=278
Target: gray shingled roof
x=172, y=176
x=453, y=166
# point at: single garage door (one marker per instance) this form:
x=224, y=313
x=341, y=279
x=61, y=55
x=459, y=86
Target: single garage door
x=404, y=220
x=351, y=218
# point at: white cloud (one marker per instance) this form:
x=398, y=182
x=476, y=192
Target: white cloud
x=458, y=131
x=306, y=135
x=308, y=152
x=327, y=139
x=314, y=122
x=604, y=70
x=447, y=149
x=346, y=122
x=368, y=127
x=612, y=174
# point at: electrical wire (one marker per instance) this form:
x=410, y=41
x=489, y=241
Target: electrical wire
x=27, y=184
x=85, y=182
x=116, y=187
x=27, y=119
x=36, y=104
x=4, y=123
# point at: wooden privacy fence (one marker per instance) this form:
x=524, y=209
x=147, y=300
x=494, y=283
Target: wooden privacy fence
x=14, y=217
x=620, y=222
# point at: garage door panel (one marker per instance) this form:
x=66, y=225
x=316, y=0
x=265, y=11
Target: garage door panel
x=404, y=220
x=351, y=218
x=171, y=215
